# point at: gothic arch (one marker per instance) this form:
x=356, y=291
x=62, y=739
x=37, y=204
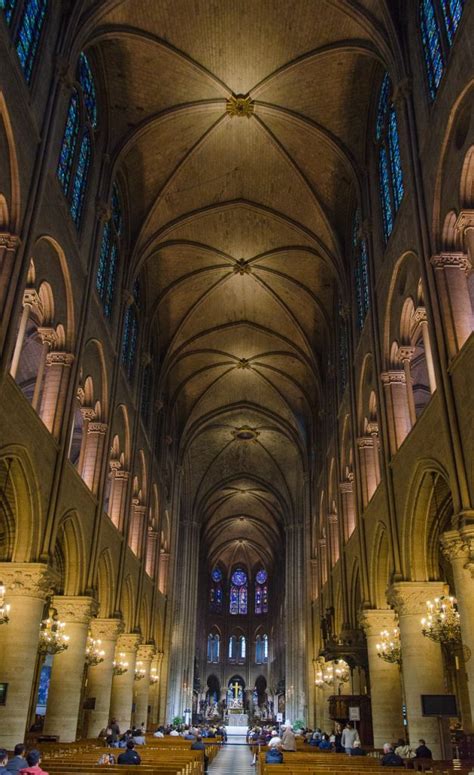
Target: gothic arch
x=9, y=174
x=24, y=512
x=71, y=539
x=380, y=566
x=106, y=584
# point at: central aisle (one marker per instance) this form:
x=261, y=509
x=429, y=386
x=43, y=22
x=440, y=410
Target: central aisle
x=234, y=758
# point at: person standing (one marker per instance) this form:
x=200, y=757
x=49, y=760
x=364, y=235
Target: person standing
x=288, y=741
x=348, y=738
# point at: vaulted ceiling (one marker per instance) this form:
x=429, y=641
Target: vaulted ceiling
x=238, y=223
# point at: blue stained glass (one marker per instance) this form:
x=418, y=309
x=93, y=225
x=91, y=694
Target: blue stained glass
x=243, y=600
x=384, y=98
x=29, y=33
x=395, y=161
x=86, y=79
x=239, y=577
x=216, y=575
x=68, y=146
x=431, y=39
x=258, y=600
x=452, y=12
x=102, y=270
x=146, y=393
x=261, y=576
x=136, y=290
x=116, y=210
x=7, y=6
x=385, y=193
x=364, y=274
x=234, y=601
x=110, y=290
x=80, y=179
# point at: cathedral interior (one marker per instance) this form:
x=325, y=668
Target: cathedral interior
x=236, y=365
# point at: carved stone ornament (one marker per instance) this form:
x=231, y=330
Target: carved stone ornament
x=97, y=427
x=459, y=545
x=47, y=335
x=465, y=220
x=27, y=579
x=420, y=315
x=242, y=267
x=128, y=642
x=88, y=413
x=106, y=629
x=345, y=487
x=406, y=352
x=373, y=428
x=103, y=211
x=31, y=299
x=146, y=652
x=364, y=442
x=409, y=597
x=374, y=620
x=79, y=610
x=59, y=359
x=455, y=260
x=395, y=376
x=240, y=105
x=9, y=241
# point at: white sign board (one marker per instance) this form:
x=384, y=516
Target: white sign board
x=279, y=717
x=354, y=714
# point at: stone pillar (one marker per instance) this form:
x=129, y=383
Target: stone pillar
x=365, y=446
x=450, y=271
x=348, y=507
x=163, y=571
x=151, y=550
x=398, y=416
x=421, y=318
x=30, y=300
x=180, y=692
x=406, y=354
x=48, y=339
x=8, y=247
x=93, y=453
x=58, y=366
x=99, y=677
x=422, y=661
x=67, y=675
x=122, y=685
x=333, y=523
x=137, y=524
x=145, y=655
x=118, y=494
x=458, y=547
x=88, y=415
x=27, y=586
x=155, y=688
x=385, y=680
x=295, y=634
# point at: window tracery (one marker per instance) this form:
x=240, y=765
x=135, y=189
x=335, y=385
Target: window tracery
x=439, y=21
x=361, y=271
x=26, y=22
x=261, y=592
x=238, y=599
x=109, y=255
x=216, y=592
x=389, y=160
x=130, y=333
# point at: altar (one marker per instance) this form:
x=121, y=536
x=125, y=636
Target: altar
x=236, y=719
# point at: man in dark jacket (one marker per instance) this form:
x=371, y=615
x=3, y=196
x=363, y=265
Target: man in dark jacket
x=3, y=761
x=198, y=745
x=392, y=759
x=129, y=756
x=18, y=761
x=423, y=752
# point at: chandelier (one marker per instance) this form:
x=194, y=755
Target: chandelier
x=94, y=654
x=119, y=665
x=154, y=675
x=52, y=639
x=389, y=649
x=442, y=623
x=140, y=671
x=4, y=607
x=336, y=672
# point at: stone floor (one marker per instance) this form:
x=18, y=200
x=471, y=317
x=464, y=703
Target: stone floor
x=233, y=759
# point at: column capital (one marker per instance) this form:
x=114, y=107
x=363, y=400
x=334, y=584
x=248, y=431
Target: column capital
x=420, y=315
x=146, y=652
x=406, y=353
x=394, y=376
x=465, y=220
x=98, y=427
x=410, y=597
x=71, y=608
x=452, y=260
x=27, y=579
x=345, y=487
x=459, y=545
x=88, y=413
x=106, y=629
x=55, y=358
x=31, y=298
x=103, y=211
x=374, y=620
x=47, y=335
x=365, y=441
x=332, y=518
x=9, y=241
x=128, y=641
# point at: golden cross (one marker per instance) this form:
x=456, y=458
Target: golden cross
x=236, y=688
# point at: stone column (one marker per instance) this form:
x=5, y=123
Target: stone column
x=137, y=524
x=422, y=660
x=67, y=675
x=385, y=679
x=48, y=339
x=348, y=507
x=451, y=278
x=8, y=247
x=422, y=319
x=27, y=586
x=122, y=685
x=99, y=677
x=406, y=354
x=151, y=549
x=58, y=366
x=458, y=547
x=118, y=494
x=155, y=688
x=93, y=453
x=398, y=417
x=145, y=655
x=295, y=669
x=30, y=300
x=163, y=570
x=365, y=446
x=88, y=414
x=333, y=523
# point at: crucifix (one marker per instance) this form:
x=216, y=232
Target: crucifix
x=235, y=687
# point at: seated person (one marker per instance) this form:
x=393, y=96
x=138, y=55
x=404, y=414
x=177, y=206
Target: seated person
x=390, y=758
x=423, y=752
x=187, y=734
x=273, y=756
x=403, y=749
x=356, y=750
x=159, y=732
x=18, y=761
x=129, y=756
x=3, y=761
x=275, y=739
x=138, y=737
x=198, y=745
x=325, y=743
x=33, y=760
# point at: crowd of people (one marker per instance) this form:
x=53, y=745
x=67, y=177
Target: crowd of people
x=23, y=762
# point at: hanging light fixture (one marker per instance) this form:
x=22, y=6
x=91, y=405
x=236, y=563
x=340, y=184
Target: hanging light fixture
x=389, y=649
x=319, y=680
x=52, y=638
x=119, y=665
x=94, y=653
x=4, y=607
x=335, y=673
x=154, y=675
x=442, y=622
x=140, y=671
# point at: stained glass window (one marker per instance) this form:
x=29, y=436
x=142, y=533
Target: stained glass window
x=108, y=256
x=389, y=160
x=343, y=360
x=452, y=12
x=232, y=647
x=361, y=271
x=261, y=592
x=29, y=34
x=8, y=7
x=129, y=340
x=261, y=649
x=213, y=648
x=79, y=183
x=432, y=49
x=216, y=575
x=216, y=594
x=238, y=599
x=68, y=147
x=86, y=80
x=146, y=393
x=243, y=647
